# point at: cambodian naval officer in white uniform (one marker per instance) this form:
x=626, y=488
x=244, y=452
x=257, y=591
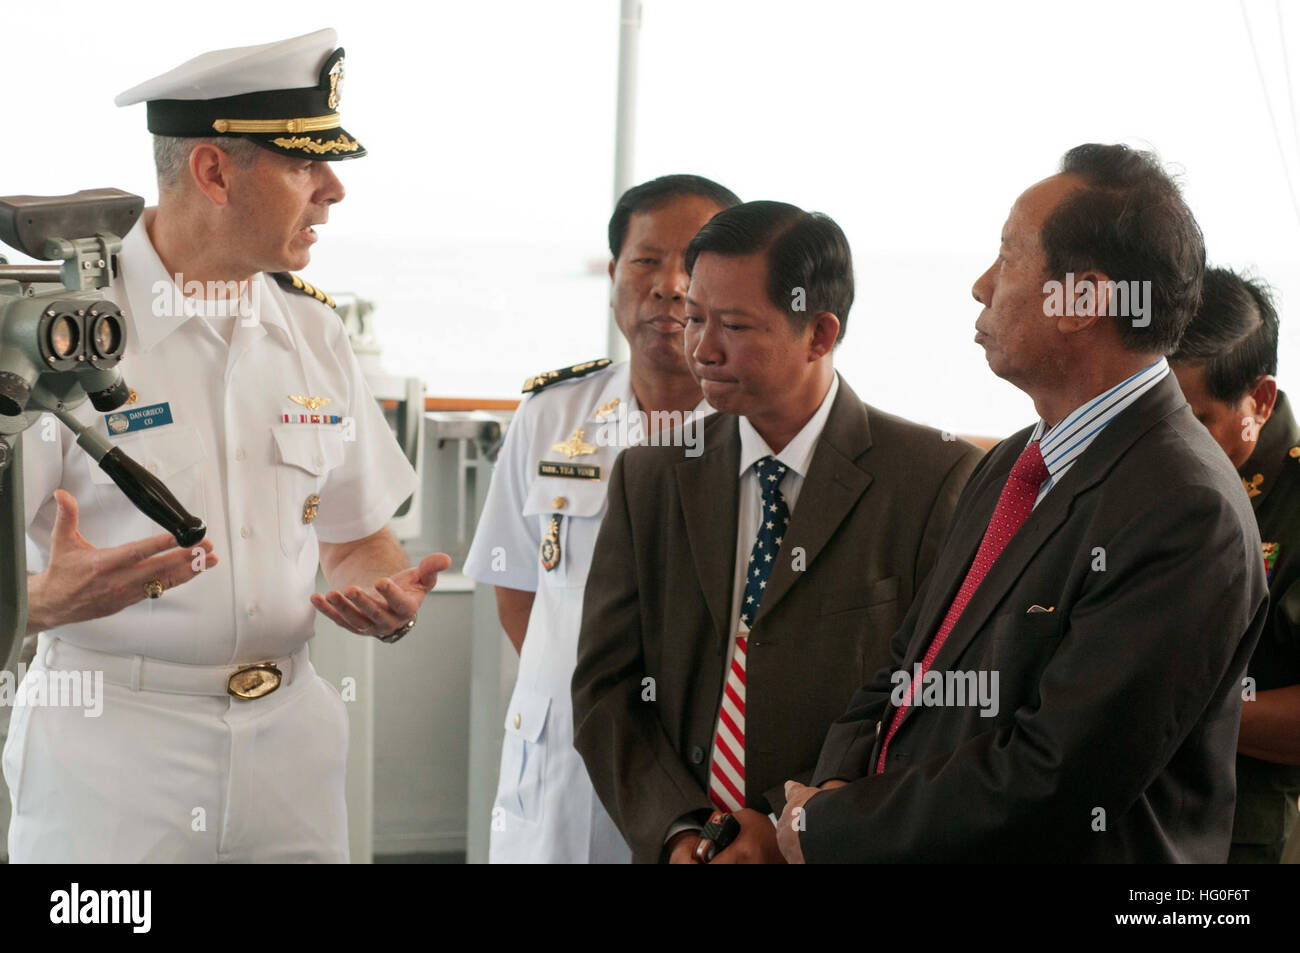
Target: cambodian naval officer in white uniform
x=544, y=507
x=254, y=412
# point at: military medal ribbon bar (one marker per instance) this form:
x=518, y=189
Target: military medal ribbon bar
x=311, y=418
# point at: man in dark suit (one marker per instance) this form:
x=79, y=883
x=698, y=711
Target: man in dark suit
x=1103, y=566
x=737, y=598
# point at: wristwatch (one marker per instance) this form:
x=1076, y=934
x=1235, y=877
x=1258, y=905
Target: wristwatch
x=393, y=637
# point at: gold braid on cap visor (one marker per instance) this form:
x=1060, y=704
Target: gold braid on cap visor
x=310, y=124
x=341, y=144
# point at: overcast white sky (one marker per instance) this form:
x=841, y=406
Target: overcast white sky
x=476, y=217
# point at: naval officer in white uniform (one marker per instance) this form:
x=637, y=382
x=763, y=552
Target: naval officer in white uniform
x=217, y=740
x=543, y=510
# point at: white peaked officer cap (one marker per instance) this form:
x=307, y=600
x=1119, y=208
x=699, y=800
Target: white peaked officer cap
x=283, y=96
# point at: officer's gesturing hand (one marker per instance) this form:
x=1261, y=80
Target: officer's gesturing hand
x=383, y=607
x=82, y=582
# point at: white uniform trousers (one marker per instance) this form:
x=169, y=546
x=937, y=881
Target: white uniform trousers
x=161, y=777
x=546, y=811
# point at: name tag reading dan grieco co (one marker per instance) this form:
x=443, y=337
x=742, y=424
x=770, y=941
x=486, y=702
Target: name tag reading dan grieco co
x=574, y=471
x=138, y=418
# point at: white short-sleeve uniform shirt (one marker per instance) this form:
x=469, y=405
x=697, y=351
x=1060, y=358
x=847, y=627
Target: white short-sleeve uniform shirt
x=217, y=397
x=546, y=810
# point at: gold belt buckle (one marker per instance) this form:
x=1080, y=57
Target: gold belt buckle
x=254, y=681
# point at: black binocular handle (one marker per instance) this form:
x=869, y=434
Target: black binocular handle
x=152, y=498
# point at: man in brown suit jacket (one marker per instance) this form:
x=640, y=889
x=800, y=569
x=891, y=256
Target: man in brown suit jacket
x=702, y=680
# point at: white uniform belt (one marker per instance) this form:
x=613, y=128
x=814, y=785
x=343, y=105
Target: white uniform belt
x=143, y=674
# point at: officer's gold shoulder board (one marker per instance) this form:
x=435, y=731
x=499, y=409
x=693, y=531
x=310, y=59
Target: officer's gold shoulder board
x=547, y=378
x=291, y=282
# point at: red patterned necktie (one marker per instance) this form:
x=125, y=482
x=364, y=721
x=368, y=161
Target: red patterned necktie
x=1014, y=506
x=727, y=766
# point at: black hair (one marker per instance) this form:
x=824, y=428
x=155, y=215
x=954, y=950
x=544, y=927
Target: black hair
x=656, y=192
x=1129, y=220
x=809, y=265
x=1233, y=335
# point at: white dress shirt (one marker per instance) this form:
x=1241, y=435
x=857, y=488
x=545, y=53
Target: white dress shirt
x=796, y=456
x=230, y=459
x=1066, y=442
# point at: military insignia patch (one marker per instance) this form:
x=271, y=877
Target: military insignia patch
x=311, y=403
x=336, y=84
x=575, y=446
x=550, y=549
x=547, y=378
x=1252, y=485
x=293, y=283
x=1270, y=559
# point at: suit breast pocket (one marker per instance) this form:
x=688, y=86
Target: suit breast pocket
x=304, y=457
x=865, y=614
x=1020, y=627
x=863, y=596
x=1019, y=647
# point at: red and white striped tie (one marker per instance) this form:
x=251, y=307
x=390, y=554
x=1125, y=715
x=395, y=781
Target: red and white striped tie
x=727, y=768
x=727, y=776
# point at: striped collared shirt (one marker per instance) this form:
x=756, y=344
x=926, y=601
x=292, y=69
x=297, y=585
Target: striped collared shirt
x=1063, y=444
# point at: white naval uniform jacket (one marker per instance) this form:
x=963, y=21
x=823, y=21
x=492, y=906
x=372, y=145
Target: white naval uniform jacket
x=230, y=458
x=546, y=810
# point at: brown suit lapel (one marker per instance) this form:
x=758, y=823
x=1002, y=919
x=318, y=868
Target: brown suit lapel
x=710, y=492
x=830, y=490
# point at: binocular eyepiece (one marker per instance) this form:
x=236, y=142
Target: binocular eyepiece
x=61, y=345
x=66, y=340
x=84, y=334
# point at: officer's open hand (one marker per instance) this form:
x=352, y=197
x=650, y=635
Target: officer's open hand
x=388, y=605
x=83, y=582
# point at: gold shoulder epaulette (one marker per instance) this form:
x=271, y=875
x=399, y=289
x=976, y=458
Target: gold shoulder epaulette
x=547, y=378
x=293, y=283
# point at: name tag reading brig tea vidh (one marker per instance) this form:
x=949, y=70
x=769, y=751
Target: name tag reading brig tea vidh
x=139, y=418
x=575, y=471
